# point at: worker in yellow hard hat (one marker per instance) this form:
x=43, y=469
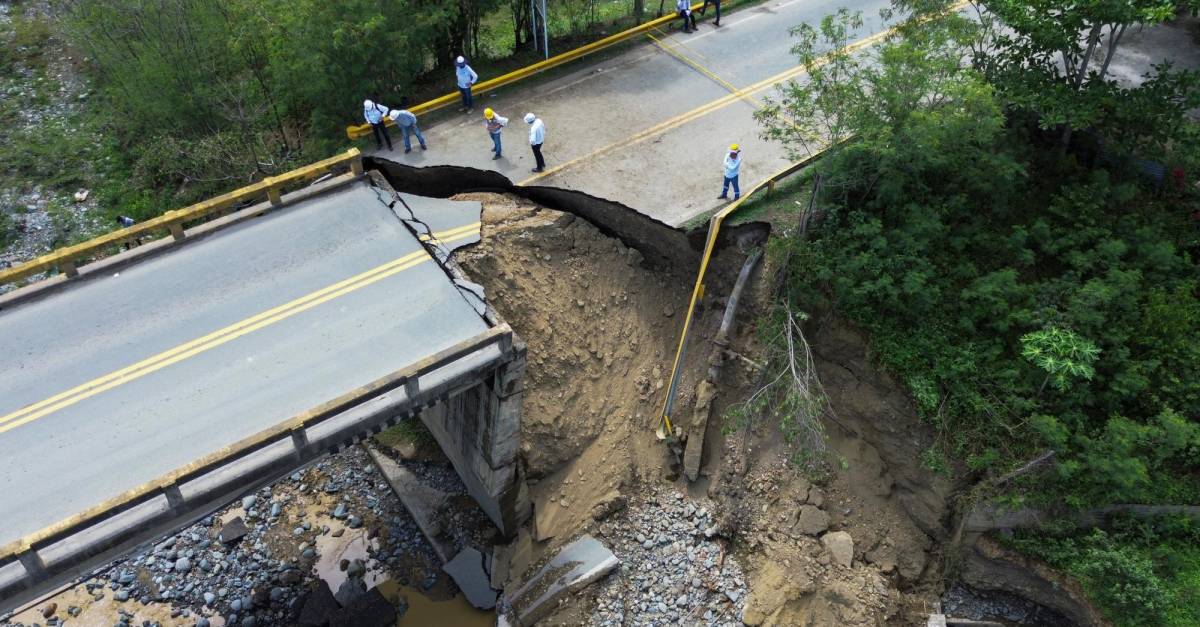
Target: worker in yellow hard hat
x=733, y=166
x=494, y=123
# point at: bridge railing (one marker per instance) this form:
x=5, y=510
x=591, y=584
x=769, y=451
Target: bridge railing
x=61, y=549
x=68, y=259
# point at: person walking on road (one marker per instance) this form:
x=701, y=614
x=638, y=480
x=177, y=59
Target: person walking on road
x=716, y=3
x=733, y=165
x=537, y=137
x=494, y=122
x=684, y=8
x=373, y=112
x=466, y=78
x=407, y=123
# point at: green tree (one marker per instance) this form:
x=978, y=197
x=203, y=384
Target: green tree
x=1062, y=354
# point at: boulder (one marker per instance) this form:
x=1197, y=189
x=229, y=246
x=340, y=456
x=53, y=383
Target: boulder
x=840, y=546
x=812, y=520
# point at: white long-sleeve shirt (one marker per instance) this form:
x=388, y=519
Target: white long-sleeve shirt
x=466, y=76
x=733, y=165
x=537, y=132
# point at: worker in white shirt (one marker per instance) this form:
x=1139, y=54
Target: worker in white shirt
x=684, y=9
x=373, y=112
x=537, y=137
x=733, y=167
x=494, y=123
x=407, y=123
x=466, y=78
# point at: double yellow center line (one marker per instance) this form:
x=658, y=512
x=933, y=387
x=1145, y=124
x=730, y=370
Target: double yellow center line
x=199, y=345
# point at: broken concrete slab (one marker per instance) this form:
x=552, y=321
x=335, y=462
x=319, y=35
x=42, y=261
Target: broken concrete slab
x=422, y=501
x=319, y=606
x=575, y=566
x=693, y=454
x=370, y=609
x=233, y=531
x=469, y=572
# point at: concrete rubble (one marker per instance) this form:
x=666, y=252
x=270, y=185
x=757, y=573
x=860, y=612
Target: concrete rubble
x=470, y=573
x=576, y=565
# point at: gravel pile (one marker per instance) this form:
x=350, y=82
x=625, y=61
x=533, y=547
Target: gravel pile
x=963, y=602
x=675, y=569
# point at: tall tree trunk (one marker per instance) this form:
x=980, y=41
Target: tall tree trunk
x=1114, y=38
x=639, y=10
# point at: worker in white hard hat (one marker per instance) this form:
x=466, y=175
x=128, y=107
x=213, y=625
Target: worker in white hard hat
x=537, y=137
x=494, y=123
x=406, y=121
x=733, y=166
x=466, y=78
x=684, y=9
x=373, y=112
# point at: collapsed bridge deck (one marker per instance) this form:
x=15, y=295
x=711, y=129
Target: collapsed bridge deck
x=134, y=373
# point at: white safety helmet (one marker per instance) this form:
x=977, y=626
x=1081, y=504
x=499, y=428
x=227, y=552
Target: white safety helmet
x=460, y=60
x=367, y=104
x=529, y=118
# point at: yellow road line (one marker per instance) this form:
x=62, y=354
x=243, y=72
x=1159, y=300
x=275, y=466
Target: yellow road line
x=441, y=236
x=673, y=51
x=217, y=338
x=712, y=106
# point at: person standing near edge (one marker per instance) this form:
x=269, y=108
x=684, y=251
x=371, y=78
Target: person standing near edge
x=407, y=123
x=733, y=166
x=494, y=122
x=537, y=137
x=466, y=78
x=717, y=3
x=684, y=8
x=373, y=112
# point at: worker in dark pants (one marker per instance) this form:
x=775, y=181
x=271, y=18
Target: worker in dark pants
x=716, y=3
x=373, y=112
x=684, y=9
x=537, y=137
x=466, y=79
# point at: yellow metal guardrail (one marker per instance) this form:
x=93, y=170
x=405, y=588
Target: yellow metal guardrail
x=68, y=259
x=363, y=130
x=714, y=228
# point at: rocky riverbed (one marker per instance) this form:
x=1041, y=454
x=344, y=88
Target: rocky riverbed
x=256, y=562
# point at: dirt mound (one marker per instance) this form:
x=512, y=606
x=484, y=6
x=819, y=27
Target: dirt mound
x=599, y=327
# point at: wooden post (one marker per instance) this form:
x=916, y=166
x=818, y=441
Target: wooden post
x=273, y=191
x=356, y=165
x=68, y=268
x=177, y=231
x=770, y=187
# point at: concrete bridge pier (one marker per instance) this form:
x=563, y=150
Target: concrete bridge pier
x=480, y=431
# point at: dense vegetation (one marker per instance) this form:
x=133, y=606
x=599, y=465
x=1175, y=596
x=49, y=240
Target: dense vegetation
x=196, y=97
x=1004, y=231
x=1141, y=572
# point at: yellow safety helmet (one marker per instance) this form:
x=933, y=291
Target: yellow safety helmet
x=488, y=113
x=734, y=147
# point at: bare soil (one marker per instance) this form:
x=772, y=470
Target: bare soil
x=601, y=331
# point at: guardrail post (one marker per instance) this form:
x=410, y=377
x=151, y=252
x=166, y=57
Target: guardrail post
x=770, y=187
x=68, y=268
x=273, y=193
x=177, y=231
x=412, y=388
x=34, y=566
x=356, y=165
x=299, y=442
x=174, y=498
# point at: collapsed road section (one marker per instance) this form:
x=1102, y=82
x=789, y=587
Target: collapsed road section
x=176, y=380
